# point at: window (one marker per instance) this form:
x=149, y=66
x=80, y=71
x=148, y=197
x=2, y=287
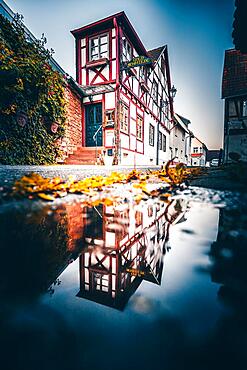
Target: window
x=155, y=91
x=143, y=74
x=127, y=50
x=232, y=109
x=139, y=127
x=160, y=141
x=164, y=143
x=195, y=150
x=124, y=117
x=98, y=47
x=244, y=108
x=151, y=135
x=109, y=117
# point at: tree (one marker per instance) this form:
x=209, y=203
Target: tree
x=239, y=33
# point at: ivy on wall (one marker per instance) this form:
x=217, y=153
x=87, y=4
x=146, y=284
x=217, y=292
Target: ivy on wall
x=32, y=103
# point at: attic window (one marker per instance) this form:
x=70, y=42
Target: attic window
x=98, y=47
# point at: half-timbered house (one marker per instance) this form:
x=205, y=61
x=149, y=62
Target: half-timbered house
x=127, y=104
x=234, y=91
x=118, y=258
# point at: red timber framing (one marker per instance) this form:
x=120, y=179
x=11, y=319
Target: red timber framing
x=110, y=274
x=136, y=84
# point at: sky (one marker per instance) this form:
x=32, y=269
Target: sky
x=196, y=31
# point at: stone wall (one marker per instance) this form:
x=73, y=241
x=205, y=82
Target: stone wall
x=73, y=132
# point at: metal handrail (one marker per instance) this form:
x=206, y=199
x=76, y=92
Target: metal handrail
x=96, y=133
x=96, y=142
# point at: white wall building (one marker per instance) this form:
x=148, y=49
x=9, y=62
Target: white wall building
x=180, y=140
x=128, y=107
x=198, y=152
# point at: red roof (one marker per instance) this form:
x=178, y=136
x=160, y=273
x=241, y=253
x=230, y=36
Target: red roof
x=234, y=82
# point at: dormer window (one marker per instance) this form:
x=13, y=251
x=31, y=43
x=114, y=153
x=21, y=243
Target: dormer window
x=98, y=47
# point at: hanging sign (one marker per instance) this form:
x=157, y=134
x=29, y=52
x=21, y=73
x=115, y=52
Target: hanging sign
x=139, y=61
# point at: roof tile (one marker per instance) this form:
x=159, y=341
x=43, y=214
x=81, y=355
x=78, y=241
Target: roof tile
x=234, y=81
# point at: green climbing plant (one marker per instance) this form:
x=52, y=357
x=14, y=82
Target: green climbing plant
x=32, y=103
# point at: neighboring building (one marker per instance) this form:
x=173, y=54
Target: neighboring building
x=214, y=154
x=198, y=152
x=128, y=111
x=180, y=140
x=234, y=91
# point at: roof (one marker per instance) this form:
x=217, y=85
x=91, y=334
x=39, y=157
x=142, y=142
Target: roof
x=234, y=81
x=204, y=145
x=186, y=121
x=155, y=53
x=182, y=122
x=108, y=22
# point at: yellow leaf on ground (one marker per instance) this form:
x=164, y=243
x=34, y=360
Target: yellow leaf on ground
x=46, y=196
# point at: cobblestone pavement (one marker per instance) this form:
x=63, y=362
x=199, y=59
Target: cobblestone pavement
x=8, y=174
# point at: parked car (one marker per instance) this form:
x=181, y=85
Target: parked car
x=214, y=162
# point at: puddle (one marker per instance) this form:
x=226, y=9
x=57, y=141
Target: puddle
x=159, y=285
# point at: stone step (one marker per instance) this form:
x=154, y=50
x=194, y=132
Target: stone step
x=84, y=155
x=79, y=161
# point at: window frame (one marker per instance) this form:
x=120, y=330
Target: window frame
x=125, y=44
x=160, y=140
x=151, y=142
x=138, y=119
x=164, y=143
x=244, y=109
x=155, y=92
x=98, y=37
x=143, y=74
x=124, y=106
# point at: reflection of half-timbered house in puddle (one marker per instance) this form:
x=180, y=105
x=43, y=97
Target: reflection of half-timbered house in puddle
x=129, y=248
x=127, y=100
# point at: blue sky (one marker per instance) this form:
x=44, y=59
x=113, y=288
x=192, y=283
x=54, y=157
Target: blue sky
x=196, y=32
